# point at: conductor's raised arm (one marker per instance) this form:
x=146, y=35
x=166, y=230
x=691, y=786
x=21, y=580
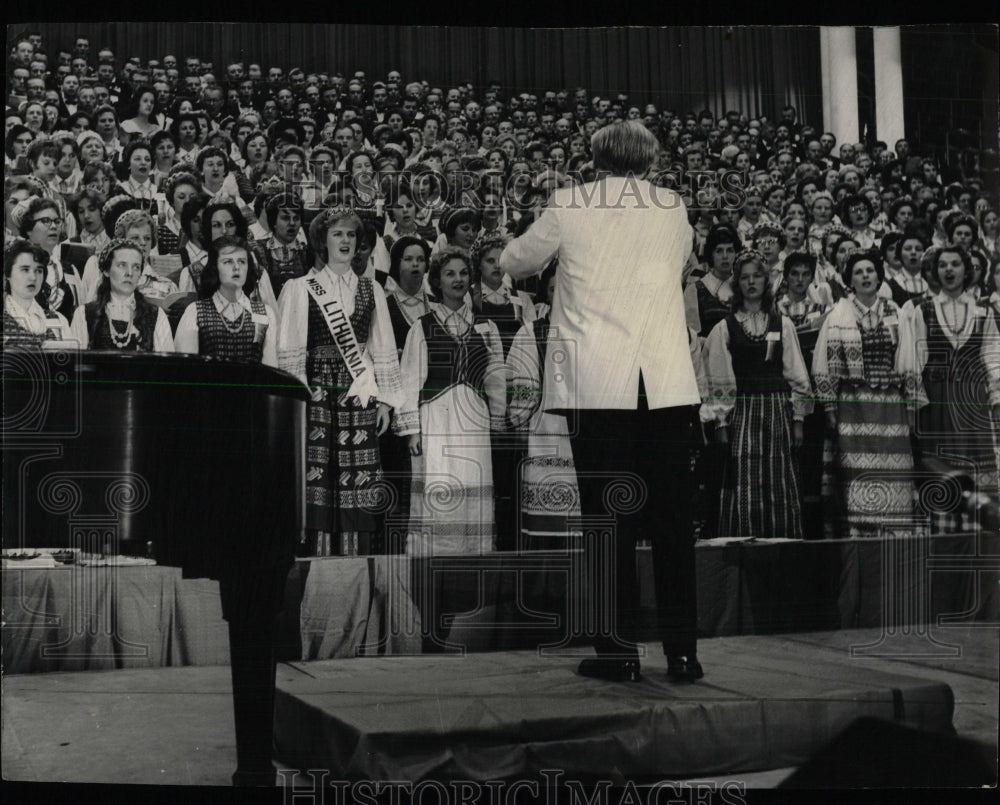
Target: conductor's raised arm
x=530, y=253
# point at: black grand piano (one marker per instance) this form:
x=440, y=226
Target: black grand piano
x=201, y=461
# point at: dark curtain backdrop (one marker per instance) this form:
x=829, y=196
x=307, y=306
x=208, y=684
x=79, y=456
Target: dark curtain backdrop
x=755, y=70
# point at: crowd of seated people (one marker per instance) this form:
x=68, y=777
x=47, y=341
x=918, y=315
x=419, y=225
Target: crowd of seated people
x=842, y=302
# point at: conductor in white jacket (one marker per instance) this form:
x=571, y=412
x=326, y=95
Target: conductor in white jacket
x=618, y=365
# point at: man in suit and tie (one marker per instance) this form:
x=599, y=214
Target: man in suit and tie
x=618, y=364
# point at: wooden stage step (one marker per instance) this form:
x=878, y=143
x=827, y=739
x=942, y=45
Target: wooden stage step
x=765, y=703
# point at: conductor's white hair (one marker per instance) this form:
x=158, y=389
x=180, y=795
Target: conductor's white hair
x=624, y=148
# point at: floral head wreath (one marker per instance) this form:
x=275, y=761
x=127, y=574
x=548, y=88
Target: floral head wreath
x=113, y=202
x=113, y=245
x=763, y=229
x=339, y=211
x=18, y=212
x=37, y=184
x=323, y=221
x=179, y=178
x=448, y=253
x=747, y=256
x=130, y=218
x=224, y=198
x=484, y=244
x=836, y=229
x=89, y=134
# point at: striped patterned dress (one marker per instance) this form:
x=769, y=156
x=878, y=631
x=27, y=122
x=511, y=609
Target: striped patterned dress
x=342, y=456
x=950, y=380
x=219, y=340
x=868, y=462
x=345, y=496
x=752, y=378
x=549, y=492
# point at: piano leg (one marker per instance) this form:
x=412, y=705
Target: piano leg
x=251, y=652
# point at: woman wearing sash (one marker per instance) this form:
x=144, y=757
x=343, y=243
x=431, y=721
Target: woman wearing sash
x=335, y=335
x=460, y=397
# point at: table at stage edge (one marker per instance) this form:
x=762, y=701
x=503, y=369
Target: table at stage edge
x=71, y=618
x=351, y=606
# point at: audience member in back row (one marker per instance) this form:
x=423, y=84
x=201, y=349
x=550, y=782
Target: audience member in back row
x=181, y=163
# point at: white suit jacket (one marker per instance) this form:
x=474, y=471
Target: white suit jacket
x=618, y=307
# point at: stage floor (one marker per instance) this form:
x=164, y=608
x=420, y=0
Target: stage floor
x=173, y=726
x=766, y=704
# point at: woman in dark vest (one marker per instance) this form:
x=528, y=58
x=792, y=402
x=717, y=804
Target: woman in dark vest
x=868, y=462
x=508, y=309
x=283, y=254
x=407, y=302
x=948, y=345
x=908, y=283
x=120, y=318
x=335, y=336
x=458, y=398
x=759, y=394
x=707, y=299
x=179, y=188
x=226, y=322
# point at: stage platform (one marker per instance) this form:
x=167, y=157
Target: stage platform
x=174, y=726
x=765, y=703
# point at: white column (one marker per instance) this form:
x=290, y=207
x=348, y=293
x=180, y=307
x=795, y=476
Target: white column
x=888, y=86
x=840, y=82
x=824, y=60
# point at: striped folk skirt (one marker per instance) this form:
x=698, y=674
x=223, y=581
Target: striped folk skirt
x=760, y=494
x=343, y=468
x=549, y=493
x=868, y=466
x=451, y=501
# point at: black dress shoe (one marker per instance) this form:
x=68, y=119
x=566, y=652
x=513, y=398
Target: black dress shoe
x=611, y=670
x=684, y=669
